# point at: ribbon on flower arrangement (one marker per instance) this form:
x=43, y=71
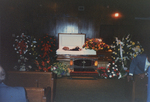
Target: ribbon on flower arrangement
x=121, y=50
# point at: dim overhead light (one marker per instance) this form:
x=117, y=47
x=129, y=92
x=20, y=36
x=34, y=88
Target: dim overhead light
x=116, y=15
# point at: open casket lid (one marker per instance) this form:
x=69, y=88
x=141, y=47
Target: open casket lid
x=71, y=40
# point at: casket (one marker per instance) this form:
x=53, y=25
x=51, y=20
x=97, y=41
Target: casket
x=72, y=40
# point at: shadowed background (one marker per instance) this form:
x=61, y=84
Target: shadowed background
x=37, y=17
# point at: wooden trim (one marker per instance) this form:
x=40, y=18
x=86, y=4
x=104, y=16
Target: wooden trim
x=34, y=93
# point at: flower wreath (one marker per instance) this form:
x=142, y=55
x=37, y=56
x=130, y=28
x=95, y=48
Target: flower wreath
x=21, y=44
x=46, y=47
x=24, y=46
x=95, y=44
x=46, y=52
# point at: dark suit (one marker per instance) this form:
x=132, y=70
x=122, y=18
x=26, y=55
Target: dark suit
x=12, y=94
x=137, y=65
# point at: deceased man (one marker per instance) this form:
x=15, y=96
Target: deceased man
x=73, y=49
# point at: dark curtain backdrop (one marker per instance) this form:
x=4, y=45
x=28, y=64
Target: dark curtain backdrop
x=37, y=17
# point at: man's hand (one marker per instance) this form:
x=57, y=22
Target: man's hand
x=129, y=77
x=142, y=75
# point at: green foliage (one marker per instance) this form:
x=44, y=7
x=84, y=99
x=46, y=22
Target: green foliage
x=59, y=68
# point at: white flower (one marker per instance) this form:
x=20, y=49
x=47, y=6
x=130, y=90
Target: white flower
x=30, y=66
x=54, y=68
x=16, y=39
x=114, y=74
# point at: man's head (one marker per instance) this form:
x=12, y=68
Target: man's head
x=2, y=74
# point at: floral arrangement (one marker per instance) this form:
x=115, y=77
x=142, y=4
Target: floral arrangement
x=123, y=51
x=102, y=72
x=59, y=68
x=43, y=66
x=24, y=47
x=112, y=70
x=35, y=54
x=46, y=49
x=95, y=44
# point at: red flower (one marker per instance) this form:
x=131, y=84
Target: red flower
x=45, y=69
x=40, y=67
x=104, y=71
x=43, y=64
x=49, y=67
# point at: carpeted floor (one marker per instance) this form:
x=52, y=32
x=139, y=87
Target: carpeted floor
x=90, y=90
